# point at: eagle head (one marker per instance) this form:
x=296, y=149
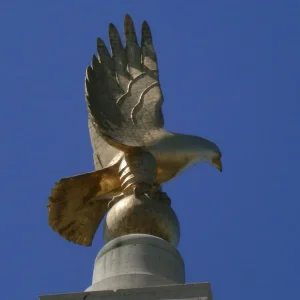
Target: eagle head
x=203, y=150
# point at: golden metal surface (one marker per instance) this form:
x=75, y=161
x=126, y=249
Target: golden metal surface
x=133, y=153
x=137, y=168
x=142, y=215
x=75, y=210
x=216, y=161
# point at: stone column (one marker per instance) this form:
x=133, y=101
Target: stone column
x=135, y=261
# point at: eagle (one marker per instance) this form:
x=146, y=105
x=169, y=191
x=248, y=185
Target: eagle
x=124, y=102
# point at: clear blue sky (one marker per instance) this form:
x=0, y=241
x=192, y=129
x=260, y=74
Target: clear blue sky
x=229, y=72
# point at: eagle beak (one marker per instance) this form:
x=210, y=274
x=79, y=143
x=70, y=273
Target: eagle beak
x=216, y=161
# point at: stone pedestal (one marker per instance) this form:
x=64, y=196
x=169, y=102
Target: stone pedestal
x=139, y=267
x=137, y=260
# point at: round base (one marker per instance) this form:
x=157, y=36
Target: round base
x=142, y=215
x=135, y=261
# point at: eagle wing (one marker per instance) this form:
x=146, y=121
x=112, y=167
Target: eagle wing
x=122, y=90
x=75, y=205
x=103, y=153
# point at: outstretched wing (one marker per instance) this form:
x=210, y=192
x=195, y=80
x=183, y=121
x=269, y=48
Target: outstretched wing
x=103, y=153
x=122, y=90
x=76, y=207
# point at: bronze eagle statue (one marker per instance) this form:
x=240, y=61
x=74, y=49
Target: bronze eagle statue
x=124, y=101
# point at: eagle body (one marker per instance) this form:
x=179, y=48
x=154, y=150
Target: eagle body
x=124, y=102
x=173, y=153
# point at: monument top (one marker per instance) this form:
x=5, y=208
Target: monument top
x=133, y=154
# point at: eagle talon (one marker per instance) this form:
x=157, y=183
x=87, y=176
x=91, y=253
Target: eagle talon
x=142, y=189
x=157, y=194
